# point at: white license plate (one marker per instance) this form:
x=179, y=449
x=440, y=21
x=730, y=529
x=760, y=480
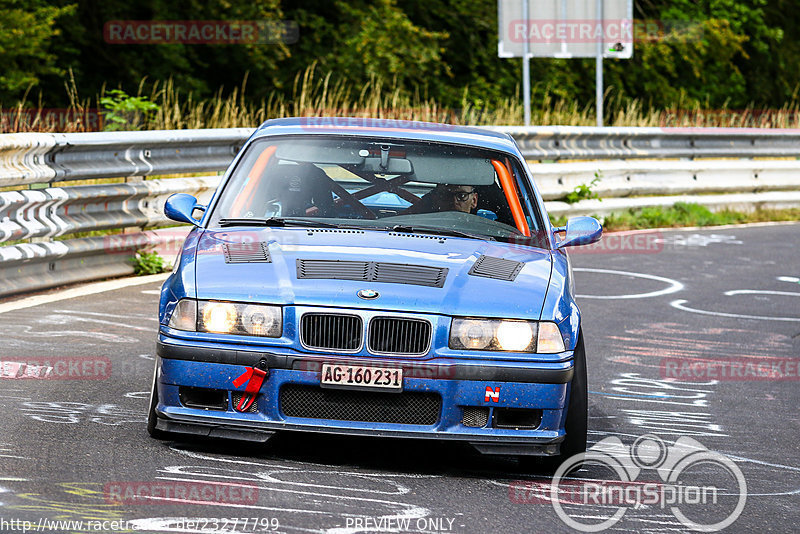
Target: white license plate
x=361, y=376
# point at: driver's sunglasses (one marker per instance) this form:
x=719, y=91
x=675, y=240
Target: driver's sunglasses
x=462, y=196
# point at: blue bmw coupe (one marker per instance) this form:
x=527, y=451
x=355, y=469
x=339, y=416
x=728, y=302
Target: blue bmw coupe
x=375, y=278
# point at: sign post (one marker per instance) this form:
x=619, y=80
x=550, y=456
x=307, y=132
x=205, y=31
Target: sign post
x=565, y=29
x=526, y=67
x=598, y=65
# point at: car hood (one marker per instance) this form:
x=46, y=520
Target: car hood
x=277, y=281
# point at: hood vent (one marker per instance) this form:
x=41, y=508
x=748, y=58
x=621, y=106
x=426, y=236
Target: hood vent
x=371, y=271
x=246, y=253
x=312, y=231
x=497, y=268
x=438, y=238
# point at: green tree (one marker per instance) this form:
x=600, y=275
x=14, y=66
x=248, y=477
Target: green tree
x=26, y=54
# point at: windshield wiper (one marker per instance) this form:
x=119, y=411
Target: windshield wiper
x=277, y=221
x=416, y=229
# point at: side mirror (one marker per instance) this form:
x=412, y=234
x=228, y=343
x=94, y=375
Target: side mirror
x=179, y=207
x=581, y=231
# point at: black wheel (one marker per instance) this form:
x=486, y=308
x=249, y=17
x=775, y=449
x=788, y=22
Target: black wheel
x=577, y=420
x=151, y=413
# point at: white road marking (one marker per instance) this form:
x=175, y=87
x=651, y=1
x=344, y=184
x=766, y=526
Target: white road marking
x=674, y=285
x=679, y=304
x=103, y=314
x=151, y=291
x=789, y=279
x=64, y=319
x=82, y=291
x=759, y=292
x=699, y=240
x=329, y=500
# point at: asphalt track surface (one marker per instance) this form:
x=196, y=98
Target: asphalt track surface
x=721, y=294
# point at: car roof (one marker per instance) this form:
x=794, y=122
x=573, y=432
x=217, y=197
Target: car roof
x=390, y=129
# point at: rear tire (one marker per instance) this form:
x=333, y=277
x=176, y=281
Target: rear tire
x=576, y=425
x=152, y=418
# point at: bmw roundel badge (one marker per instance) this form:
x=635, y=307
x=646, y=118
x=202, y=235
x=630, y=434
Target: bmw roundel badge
x=368, y=294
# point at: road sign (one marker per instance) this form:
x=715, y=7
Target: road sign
x=565, y=28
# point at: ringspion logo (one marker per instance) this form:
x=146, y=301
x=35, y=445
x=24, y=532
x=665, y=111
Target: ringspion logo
x=703, y=489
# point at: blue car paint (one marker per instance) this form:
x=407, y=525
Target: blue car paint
x=541, y=292
x=549, y=397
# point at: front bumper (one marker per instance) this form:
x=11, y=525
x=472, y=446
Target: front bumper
x=459, y=383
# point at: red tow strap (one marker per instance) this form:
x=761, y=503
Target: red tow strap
x=254, y=376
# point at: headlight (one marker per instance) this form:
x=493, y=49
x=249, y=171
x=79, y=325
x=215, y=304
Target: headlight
x=228, y=318
x=241, y=319
x=262, y=320
x=515, y=335
x=219, y=317
x=506, y=335
x=493, y=334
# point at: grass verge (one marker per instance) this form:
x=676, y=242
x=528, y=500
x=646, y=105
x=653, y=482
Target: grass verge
x=160, y=105
x=685, y=214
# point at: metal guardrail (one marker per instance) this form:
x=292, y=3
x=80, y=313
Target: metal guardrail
x=627, y=178
x=45, y=158
x=575, y=142
x=58, y=211
x=40, y=214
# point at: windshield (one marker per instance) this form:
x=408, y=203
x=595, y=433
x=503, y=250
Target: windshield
x=381, y=184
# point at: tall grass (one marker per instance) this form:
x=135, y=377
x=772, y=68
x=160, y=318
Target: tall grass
x=317, y=94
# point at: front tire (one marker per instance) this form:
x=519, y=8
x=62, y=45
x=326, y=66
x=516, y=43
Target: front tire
x=576, y=425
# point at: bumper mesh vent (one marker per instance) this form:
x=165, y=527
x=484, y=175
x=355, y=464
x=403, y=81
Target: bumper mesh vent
x=475, y=416
x=407, y=408
x=331, y=331
x=497, y=268
x=236, y=397
x=394, y=335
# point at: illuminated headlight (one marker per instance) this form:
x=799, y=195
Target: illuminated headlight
x=493, y=334
x=242, y=319
x=218, y=317
x=228, y=318
x=505, y=335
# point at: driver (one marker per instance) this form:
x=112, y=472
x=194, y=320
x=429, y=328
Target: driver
x=454, y=198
